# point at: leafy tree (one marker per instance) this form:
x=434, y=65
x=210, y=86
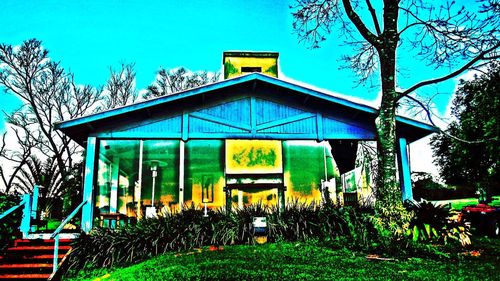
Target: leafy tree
x=425, y=186
x=476, y=109
x=175, y=80
x=440, y=35
x=425, y=180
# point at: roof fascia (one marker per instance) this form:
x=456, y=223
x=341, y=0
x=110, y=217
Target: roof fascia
x=153, y=102
x=417, y=124
x=230, y=82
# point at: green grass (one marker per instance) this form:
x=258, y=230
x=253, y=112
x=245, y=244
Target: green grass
x=458, y=204
x=302, y=261
x=53, y=224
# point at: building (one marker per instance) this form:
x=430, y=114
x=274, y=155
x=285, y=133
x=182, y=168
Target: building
x=251, y=137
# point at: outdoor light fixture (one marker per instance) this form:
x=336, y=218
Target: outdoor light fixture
x=154, y=174
x=205, y=213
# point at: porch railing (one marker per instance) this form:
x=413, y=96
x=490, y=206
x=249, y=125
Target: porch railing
x=57, y=232
x=11, y=210
x=26, y=219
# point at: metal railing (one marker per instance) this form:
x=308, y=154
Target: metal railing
x=57, y=232
x=26, y=219
x=11, y=210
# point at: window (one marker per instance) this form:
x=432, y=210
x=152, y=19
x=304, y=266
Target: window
x=251, y=69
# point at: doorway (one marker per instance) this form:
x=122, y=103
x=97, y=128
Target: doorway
x=244, y=196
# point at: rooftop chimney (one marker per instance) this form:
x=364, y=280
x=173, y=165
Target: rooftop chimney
x=240, y=63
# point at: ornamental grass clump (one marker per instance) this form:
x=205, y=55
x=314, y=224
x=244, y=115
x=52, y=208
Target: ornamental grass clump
x=104, y=247
x=300, y=221
x=339, y=226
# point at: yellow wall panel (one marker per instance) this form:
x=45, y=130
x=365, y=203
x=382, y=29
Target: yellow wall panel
x=253, y=157
x=234, y=63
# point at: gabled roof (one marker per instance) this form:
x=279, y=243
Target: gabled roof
x=76, y=128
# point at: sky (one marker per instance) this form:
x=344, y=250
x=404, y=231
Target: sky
x=89, y=37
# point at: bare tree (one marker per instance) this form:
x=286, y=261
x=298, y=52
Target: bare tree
x=44, y=173
x=15, y=159
x=442, y=35
x=120, y=87
x=49, y=95
x=176, y=80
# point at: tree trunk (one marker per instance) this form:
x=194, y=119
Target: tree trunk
x=388, y=193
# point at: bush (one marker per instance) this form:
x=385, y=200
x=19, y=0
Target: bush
x=105, y=247
x=426, y=187
x=189, y=229
x=9, y=226
x=357, y=228
x=433, y=223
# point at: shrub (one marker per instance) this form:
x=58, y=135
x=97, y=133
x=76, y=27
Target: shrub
x=9, y=226
x=299, y=221
x=354, y=227
x=185, y=230
x=433, y=223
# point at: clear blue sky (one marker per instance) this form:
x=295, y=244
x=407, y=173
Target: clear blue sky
x=90, y=36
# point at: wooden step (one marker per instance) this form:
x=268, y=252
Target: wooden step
x=30, y=258
x=37, y=248
x=26, y=265
x=32, y=242
x=26, y=268
x=27, y=276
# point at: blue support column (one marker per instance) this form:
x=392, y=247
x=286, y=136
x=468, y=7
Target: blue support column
x=26, y=220
x=404, y=170
x=88, y=185
x=115, y=185
x=34, y=205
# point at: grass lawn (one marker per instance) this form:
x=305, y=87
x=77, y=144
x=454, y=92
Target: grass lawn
x=303, y=261
x=53, y=224
x=458, y=204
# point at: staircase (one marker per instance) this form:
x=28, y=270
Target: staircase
x=31, y=259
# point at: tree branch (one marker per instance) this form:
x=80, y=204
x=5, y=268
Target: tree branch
x=360, y=26
x=429, y=116
x=374, y=17
x=465, y=67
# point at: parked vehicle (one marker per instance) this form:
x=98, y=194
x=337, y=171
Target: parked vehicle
x=484, y=218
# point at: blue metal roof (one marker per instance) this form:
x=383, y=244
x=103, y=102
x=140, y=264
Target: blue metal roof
x=144, y=105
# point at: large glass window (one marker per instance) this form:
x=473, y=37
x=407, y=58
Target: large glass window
x=204, y=173
x=160, y=175
x=141, y=177
x=306, y=164
x=117, y=176
x=133, y=175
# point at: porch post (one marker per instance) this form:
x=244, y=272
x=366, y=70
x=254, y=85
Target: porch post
x=281, y=199
x=26, y=220
x=229, y=202
x=240, y=198
x=88, y=185
x=138, y=185
x=113, y=196
x=115, y=175
x=404, y=170
x=181, y=174
x=34, y=205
